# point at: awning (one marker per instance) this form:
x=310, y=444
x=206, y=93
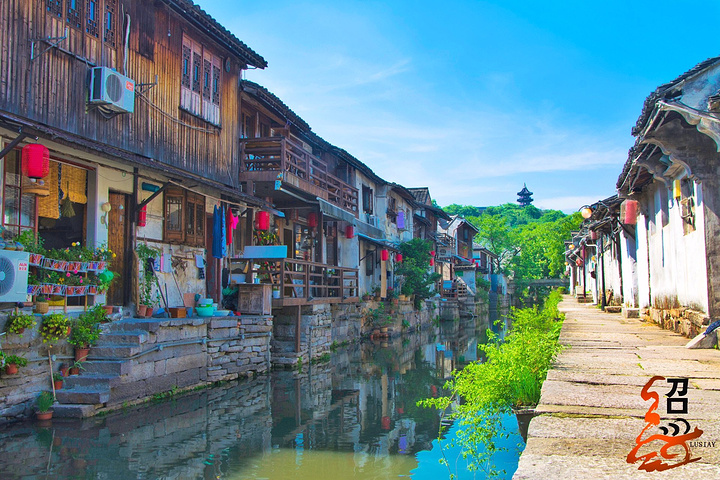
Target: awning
x=463, y=260
x=378, y=241
x=368, y=230
x=336, y=212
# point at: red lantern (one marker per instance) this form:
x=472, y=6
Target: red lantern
x=384, y=255
x=312, y=220
x=432, y=253
x=349, y=231
x=35, y=160
x=432, y=262
x=385, y=422
x=630, y=217
x=142, y=216
x=398, y=257
x=593, y=235
x=263, y=220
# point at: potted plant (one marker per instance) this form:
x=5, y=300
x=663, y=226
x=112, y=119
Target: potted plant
x=76, y=367
x=84, y=334
x=54, y=327
x=64, y=369
x=148, y=279
x=33, y=244
x=41, y=304
x=58, y=380
x=18, y=322
x=43, y=404
x=12, y=363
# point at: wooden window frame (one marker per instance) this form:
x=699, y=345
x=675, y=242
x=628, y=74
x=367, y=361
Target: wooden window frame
x=367, y=206
x=200, y=87
x=191, y=229
x=104, y=26
x=18, y=226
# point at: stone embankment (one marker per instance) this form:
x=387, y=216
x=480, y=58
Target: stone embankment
x=591, y=412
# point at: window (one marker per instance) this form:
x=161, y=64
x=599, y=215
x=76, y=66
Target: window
x=55, y=7
x=392, y=208
x=19, y=208
x=367, y=199
x=90, y=16
x=109, y=34
x=201, y=81
x=184, y=217
x=91, y=20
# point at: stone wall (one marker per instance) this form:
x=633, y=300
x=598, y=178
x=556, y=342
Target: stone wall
x=684, y=321
x=19, y=391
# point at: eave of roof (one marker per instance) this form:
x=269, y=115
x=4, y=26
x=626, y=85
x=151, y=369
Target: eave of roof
x=212, y=27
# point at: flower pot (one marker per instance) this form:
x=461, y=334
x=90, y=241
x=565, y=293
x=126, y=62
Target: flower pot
x=44, y=415
x=57, y=384
x=141, y=310
x=42, y=307
x=108, y=309
x=523, y=416
x=75, y=371
x=64, y=371
x=81, y=354
x=11, y=368
x=178, y=312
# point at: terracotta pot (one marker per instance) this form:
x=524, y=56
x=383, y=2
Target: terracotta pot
x=75, y=371
x=64, y=371
x=81, y=354
x=58, y=384
x=11, y=368
x=42, y=307
x=141, y=311
x=108, y=309
x=44, y=415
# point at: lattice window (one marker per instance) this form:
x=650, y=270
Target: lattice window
x=55, y=7
x=197, y=66
x=186, y=61
x=216, y=85
x=207, y=68
x=110, y=36
x=74, y=13
x=91, y=17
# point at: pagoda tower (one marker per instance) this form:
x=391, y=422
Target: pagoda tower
x=524, y=196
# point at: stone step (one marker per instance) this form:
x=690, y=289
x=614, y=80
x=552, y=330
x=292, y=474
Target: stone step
x=134, y=324
x=129, y=337
x=85, y=395
x=107, y=367
x=114, y=350
x=70, y=410
x=91, y=380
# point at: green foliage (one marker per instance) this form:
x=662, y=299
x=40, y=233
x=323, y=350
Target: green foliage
x=19, y=361
x=54, y=327
x=44, y=401
x=32, y=243
x=511, y=377
x=85, y=332
x=57, y=376
x=415, y=270
x=377, y=316
x=463, y=210
x=148, y=280
x=17, y=323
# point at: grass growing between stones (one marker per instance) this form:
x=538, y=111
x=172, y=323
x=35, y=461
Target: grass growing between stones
x=511, y=377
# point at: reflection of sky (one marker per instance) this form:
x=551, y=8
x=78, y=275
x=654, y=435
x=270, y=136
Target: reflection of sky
x=429, y=467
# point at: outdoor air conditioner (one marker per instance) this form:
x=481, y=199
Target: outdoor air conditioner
x=112, y=90
x=13, y=276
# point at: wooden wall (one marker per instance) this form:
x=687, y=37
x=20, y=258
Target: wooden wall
x=52, y=89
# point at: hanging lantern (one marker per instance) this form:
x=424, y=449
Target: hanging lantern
x=578, y=262
x=677, y=189
x=586, y=212
x=142, y=216
x=432, y=253
x=432, y=262
x=35, y=160
x=312, y=220
x=263, y=220
x=593, y=235
x=630, y=217
x=401, y=219
x=349, y=231
x=384, y=255
x=398, y=257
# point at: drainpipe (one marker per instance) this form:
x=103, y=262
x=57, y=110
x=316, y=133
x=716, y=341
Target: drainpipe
x=584, y=272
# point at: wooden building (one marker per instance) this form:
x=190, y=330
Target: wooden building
x=142, y=98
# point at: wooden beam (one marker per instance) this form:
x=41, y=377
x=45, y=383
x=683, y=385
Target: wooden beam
x=22, y=136
x=152, y=197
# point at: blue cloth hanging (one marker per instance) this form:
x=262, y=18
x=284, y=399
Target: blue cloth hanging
x=219, y=249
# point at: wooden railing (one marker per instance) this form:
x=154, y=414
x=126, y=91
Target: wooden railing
x=301, y=282
x=281, y=154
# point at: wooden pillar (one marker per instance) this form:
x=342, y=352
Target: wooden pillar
x=298, y=322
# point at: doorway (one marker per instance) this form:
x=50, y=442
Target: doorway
x=118, y=232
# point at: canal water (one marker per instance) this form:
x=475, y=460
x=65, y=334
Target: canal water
x=353, y=417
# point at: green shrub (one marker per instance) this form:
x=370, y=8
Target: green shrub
x=54, y=327
x=44, y=401
x=17, y=323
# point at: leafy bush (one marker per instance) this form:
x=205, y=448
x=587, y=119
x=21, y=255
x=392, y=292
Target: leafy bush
x=17, y=323
x=415, y=270
x=44, y=401
x=54, y=327
x=14, y=359
x=85, y=333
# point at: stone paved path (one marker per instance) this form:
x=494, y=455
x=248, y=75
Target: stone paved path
x=591, y=412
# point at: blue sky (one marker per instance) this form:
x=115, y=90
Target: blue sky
x=471, y=98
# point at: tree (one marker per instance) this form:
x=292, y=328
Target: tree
x=415, y=268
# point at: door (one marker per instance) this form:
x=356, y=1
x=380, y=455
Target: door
x=212, y=264
x=118, y=232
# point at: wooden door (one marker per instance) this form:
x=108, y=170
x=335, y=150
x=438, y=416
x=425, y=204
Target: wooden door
x=118, y=232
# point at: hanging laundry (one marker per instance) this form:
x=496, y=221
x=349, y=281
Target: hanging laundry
x=218, y=234
x=232, y=222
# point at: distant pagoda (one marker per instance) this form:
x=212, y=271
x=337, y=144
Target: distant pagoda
x=524, y=196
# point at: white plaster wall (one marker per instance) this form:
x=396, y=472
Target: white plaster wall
x=628, y=251
x=677, y=261
x=643, y=273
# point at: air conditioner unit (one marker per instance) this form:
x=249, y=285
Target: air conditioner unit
x=13, y=276
x=112, y=90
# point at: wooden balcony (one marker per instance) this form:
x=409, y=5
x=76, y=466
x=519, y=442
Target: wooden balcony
x=270, y=159
x=305, y=283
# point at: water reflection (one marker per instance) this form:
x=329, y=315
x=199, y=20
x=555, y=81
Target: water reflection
x=354, y=417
